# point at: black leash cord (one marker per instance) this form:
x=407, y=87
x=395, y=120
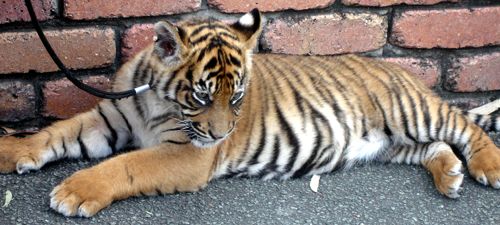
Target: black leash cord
x=76, y=82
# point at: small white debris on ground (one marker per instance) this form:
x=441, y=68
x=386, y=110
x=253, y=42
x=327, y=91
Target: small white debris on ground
x=8, y=198
x=314, y=183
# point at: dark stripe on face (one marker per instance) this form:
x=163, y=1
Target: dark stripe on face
x=234, y=61
x=201, y=39
x=208, y=26
x=211, y=64
x=225, y=34
x=201, y=56
x=212, y=75
x=189, y=75
x=178, y=88
x=222, y=43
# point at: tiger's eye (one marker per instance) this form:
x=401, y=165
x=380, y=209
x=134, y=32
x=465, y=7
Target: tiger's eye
x=237, y=97
x=201, y=97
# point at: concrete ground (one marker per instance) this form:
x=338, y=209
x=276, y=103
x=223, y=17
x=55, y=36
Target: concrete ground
x=371, y=194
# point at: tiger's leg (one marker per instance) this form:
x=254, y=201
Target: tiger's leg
x=162, y=169
x=93, y=134
x=481, y=154
x=438, y=158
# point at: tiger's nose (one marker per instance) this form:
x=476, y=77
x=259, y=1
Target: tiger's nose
x=216, y=136
x=221, y=133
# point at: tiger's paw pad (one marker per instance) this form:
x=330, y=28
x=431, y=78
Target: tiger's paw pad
x=484, y=167
x=80, y=195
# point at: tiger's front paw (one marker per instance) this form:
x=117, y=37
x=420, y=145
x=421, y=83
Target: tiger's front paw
x=14, y=155
x=83, y=194
x=484, y=166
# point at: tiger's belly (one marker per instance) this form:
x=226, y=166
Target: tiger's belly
x=306, y=153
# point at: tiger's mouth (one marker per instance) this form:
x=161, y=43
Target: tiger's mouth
x=201, y=140
x=205, y=143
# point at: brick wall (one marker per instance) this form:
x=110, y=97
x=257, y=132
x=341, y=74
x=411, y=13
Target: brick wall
x=452, y=45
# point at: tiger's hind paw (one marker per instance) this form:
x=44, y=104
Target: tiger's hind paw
x=449, y=182
x=484, y=166
x=447, y=172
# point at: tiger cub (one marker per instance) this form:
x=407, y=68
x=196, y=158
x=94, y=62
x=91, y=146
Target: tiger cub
x=215, y=110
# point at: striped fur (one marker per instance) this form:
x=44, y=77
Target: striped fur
x=216, y=110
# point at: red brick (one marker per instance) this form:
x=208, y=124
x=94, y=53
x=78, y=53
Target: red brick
x=77, y=48
x=326, y=34
x=235, y=6
x=427, y=70
x=475, y=73
x=135, y=39
x=15, y=10
x=18, y=101
x=63, y=99
x=383, y=3
x=449, y=28
x=93, y=9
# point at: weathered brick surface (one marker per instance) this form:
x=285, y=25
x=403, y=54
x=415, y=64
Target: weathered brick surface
x=92, y=9
x=77, y=48
x=17, y=99
x=63, y=99
x=235, y=6
x=475, y=73
x=427, y=70
x=326, y=34
x=15, y=10
x=449, y=28
x=393, y=2
x=135, y=39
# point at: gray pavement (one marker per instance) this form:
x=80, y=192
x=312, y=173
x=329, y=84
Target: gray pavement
x=370, y=194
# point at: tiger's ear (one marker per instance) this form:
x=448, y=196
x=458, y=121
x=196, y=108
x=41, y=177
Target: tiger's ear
x=169, y=44
x=249, y=27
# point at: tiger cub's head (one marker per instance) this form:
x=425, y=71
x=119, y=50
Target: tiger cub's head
x=207, y=66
